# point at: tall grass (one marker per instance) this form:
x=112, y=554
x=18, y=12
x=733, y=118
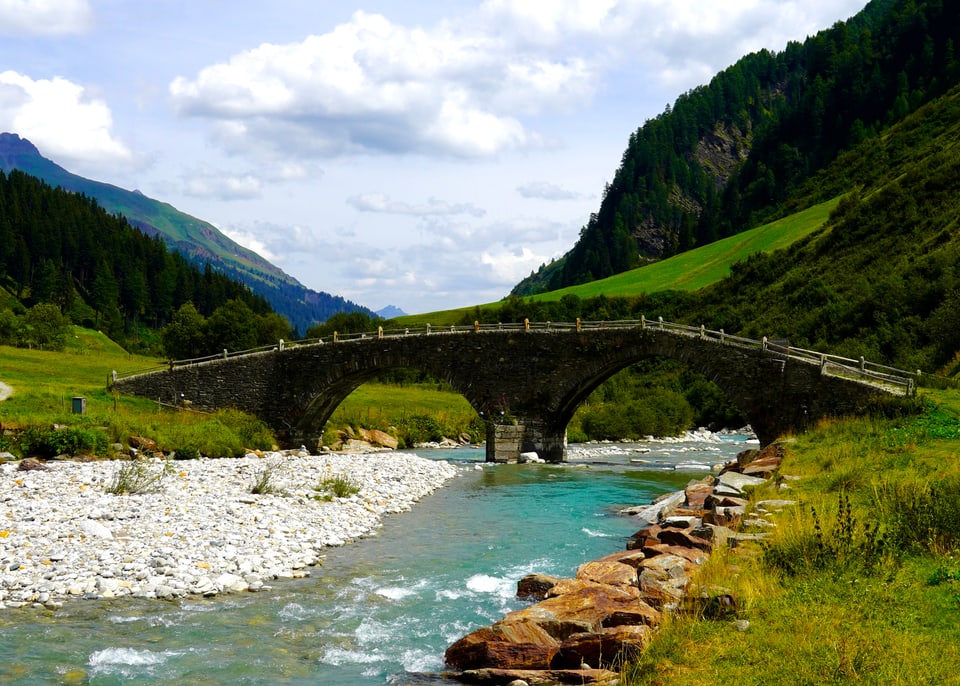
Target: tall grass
x=858, y=583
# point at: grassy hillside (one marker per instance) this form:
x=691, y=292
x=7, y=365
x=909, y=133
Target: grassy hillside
x=701, y=267
x=731, y=154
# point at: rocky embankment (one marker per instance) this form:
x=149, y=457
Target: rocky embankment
x=201, y=531
x=582, y=628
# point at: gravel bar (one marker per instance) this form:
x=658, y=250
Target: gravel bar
x=63, y=535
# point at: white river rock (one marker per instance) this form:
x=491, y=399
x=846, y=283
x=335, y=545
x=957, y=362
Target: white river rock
x=62, y=535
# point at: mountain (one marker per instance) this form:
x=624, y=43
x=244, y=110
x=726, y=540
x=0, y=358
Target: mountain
x=390, y=311
x=732, y=154
x=199, y=241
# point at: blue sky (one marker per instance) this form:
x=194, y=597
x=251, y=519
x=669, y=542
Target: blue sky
x=423, y=155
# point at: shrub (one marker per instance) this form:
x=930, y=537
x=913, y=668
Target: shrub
x=49, y=442
x=186, y=452
x=921, y=515
x=264, y=484
x=845, y=546
x=340, y=486
x=132, y=478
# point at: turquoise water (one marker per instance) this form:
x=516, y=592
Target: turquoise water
x=380, y=610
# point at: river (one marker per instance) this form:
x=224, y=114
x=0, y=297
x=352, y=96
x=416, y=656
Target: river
x=379, y=610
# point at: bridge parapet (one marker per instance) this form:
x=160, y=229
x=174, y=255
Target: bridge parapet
x=897, y=379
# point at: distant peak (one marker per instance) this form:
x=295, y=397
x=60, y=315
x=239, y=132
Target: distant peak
x=13, y=143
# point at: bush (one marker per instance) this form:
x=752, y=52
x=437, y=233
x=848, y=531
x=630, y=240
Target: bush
x=186, y=452
x=420, y=428
x=919, y=515
x=49, y=442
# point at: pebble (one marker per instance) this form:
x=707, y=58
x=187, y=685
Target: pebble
x=63, y=536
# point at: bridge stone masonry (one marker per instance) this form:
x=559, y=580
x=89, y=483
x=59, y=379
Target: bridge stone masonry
x=525, y=381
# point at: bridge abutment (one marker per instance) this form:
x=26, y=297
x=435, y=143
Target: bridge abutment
x=505, y=442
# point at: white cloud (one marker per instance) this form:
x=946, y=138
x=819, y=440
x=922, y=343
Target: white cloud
x=44, y=17
x=223, y=185
x=382, y=203
x=59, y=118
x=372, y=85
x=547, y=191
x=509, y=266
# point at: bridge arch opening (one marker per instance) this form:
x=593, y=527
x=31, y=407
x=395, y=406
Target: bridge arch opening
x=651, y=397
x=400, y=407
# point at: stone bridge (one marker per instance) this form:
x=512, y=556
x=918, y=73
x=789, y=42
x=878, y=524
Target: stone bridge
x=525, y=381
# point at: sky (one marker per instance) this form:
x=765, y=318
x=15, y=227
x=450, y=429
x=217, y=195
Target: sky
x=426, y=155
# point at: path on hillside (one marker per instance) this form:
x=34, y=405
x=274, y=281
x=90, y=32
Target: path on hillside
x=5, y=391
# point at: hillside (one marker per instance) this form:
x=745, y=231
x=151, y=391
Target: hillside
x=199, y=241
x=733, y=153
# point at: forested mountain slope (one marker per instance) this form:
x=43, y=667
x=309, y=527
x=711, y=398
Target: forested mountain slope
x=201, y=242
x=734, y=153
x=64, y=249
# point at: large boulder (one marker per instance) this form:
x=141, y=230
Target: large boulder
x=535, y=586
x=605, y=648
x=586, y=606
x=507, y=645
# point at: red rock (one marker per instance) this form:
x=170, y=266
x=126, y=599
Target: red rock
x=645, y=536
x=509, y=645
x=633, y=558
x=552, y=677
x=382, y=438
x=605, y=648
x=583, y=608
x=683, y=539
x=697, y=491
x=141, y=443
x=610, y=572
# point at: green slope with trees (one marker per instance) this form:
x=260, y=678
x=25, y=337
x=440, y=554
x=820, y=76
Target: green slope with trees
x=878, y=279
x=732, y=154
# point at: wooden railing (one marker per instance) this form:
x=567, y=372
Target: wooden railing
x=896, y=380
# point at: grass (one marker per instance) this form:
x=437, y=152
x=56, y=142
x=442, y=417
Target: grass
x=264, y=483
x=136, y=477
x=338, y=486
x=44, y=384
x=687, y=271
x=413, y=413
x=859, y=583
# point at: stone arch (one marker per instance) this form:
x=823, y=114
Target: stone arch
x=332, y=391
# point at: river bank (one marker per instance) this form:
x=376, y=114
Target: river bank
x=583, y=628
x=202, y=532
